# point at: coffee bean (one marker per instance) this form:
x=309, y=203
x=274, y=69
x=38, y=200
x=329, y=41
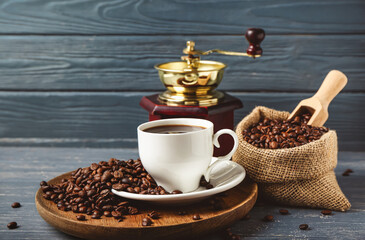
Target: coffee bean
x=326, y=212
x=90, y=193
x=154, y=215
x=75, y=209
x=15, y=205
x=105, y=191
x=126, y=181
x=118, y=186
x=107, y=214
x=132, y=210
x=196, y=217
x=124, y=203
x=268, y=218
x=106, y=176
x=95, y=216
x=82, y=193
x=80, y=217
x=43, y=183
x=116, y=214
x=303, y=226
x=283, y=212
x=107, y=208
x=62, y=208
x=12, y=225
x=347, y=172
x=146, y=222
x=83, y=209
x=297, y=119
x=176, y=192
x=61, y=196
x=94, y=166
x=203, y=182
x=118, y=174
x=273, y=145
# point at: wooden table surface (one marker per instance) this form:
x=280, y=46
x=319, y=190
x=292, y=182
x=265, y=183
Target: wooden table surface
x=21, y=170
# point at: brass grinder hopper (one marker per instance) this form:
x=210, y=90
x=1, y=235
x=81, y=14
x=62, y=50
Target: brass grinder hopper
x=193, y=81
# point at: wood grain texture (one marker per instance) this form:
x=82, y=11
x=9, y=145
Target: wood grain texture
x=110, y=119
x=125, y=63
x=237, y=203
x=180, y=16
x=21, y=170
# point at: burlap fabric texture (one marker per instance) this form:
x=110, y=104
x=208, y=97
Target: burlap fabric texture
x=300, y=176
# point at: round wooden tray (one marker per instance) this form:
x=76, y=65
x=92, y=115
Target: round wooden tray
x=237, y=203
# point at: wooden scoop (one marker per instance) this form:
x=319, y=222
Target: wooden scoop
x=317, y=105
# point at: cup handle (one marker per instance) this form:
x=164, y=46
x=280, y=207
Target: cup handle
x=222, y=158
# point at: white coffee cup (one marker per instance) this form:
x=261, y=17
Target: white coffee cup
x=177, y=161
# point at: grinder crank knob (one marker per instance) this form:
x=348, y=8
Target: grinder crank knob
x=254, y=36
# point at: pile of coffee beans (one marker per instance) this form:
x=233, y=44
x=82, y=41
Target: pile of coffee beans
x=274, y=134
x=88, y=190
x=135, y=179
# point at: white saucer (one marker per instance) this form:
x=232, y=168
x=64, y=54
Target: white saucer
x=224, y=176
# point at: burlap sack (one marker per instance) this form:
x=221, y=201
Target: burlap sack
x=299, y=176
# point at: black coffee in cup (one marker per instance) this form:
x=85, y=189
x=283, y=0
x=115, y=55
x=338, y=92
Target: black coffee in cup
x=173, y=129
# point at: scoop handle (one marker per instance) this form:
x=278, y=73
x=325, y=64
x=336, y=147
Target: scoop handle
x=334, y=82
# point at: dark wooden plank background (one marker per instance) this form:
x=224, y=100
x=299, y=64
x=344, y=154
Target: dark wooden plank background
x=72, y=72
x=99, y=119
x=181, y=16
x=125, y=63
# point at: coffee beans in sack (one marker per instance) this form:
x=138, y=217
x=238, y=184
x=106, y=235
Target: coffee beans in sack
x=295, y=166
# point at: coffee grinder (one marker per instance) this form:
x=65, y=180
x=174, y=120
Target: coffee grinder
x=191, y=85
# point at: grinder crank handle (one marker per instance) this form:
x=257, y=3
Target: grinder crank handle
x=254, y=36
